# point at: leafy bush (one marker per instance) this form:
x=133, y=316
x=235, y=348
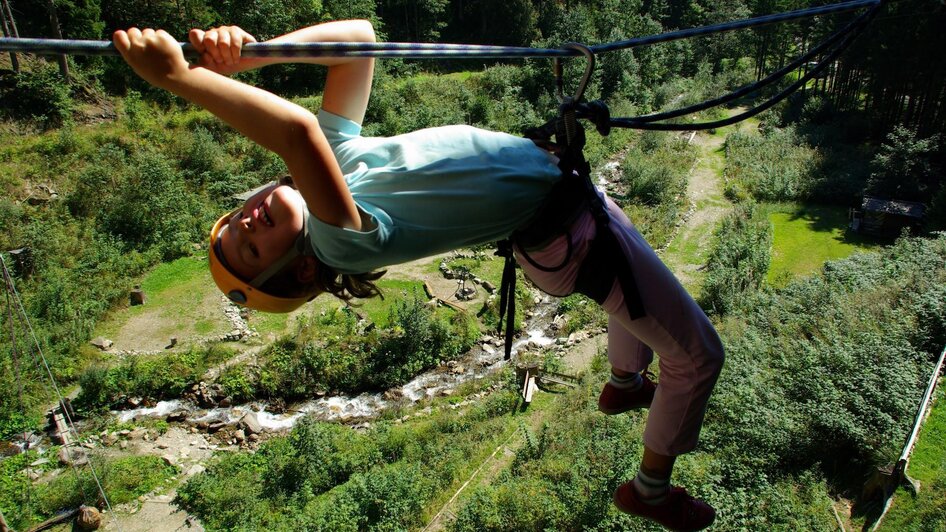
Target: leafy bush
x=156, y=377
x=774, y=166
x=829, y=370
x=338, y=351
x=37, y=93
x=903, y=167
x=739, y=261
x=123, y=479
x=325, y=476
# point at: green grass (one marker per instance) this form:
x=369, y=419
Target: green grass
x=927, y=465
x=805, y=236
x=181, y=300
x=123, y=479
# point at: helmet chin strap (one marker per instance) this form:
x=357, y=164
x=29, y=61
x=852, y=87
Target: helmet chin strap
x=301, y=247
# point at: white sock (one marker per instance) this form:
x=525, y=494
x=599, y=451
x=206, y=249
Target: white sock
x=631, y=382
x=651, y=490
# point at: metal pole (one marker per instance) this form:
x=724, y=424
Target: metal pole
x=431, y=50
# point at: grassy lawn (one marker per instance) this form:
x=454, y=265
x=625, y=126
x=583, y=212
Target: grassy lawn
x=927, y=465
x=181, y=301
x=805, y=236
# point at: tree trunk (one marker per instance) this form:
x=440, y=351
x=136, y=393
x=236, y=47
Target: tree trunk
x=9, y=30
x=57, y=33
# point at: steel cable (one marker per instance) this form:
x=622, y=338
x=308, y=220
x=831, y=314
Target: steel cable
x=430, y=50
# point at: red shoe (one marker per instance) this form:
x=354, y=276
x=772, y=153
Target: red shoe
x=616, y=401
x=680, y=511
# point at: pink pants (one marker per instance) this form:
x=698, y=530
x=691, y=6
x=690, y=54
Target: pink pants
x=691, y=354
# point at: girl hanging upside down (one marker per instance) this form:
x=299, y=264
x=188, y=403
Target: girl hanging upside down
x=356, y=204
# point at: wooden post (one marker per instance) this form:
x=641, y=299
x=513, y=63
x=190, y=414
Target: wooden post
x=9, y=30
x=57, y=33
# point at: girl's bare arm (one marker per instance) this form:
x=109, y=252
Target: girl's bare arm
x=276, y=124
x=349, y=78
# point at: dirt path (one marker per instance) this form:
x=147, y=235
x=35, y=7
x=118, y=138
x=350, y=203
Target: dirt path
x=687, y=253
x=153, y=512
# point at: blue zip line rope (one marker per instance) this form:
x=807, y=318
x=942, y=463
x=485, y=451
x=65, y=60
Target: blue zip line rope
x=429, y=50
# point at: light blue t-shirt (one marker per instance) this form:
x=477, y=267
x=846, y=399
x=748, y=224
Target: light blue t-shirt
x=429, y=191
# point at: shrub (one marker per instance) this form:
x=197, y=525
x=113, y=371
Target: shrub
x=739, y=261
x=155, y=377
x=39, y=94
x=774, y=166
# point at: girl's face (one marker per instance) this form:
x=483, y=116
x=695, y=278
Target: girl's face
x=263, y=231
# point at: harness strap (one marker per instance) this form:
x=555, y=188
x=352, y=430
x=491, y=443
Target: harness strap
x=605, y=261
x=507, y=294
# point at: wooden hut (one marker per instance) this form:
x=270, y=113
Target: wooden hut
x=886, y=218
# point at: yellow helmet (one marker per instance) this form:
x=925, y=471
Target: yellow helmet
x=249, y=294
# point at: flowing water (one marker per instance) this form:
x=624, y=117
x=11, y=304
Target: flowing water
x=480, y=361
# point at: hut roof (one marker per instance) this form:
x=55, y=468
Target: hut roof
x=910, y=209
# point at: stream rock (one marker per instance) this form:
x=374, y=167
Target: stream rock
x=251, y=423
x=89, y=518
x=178, y=416
x=73, y=456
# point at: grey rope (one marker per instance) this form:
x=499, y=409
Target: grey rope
x=431, y=50
x=21, y=311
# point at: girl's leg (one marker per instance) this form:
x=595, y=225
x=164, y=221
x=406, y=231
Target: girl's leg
x=691, y=354
x=626, y=353
x=691, y=357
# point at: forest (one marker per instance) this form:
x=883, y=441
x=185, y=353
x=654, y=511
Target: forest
x=107, y=183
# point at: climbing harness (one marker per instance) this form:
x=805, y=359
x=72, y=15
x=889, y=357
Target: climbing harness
x=575, y=192
x=571, y=196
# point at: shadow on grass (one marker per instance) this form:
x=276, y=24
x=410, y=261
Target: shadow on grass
x=860, y=484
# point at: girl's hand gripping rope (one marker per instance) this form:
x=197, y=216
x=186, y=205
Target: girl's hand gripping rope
x=152, y=54
x=220, y=48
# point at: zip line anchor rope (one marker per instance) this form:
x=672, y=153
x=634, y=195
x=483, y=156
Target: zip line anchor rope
x=24, y=320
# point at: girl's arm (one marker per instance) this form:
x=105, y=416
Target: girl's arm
x=276, y=124
x=349, y=79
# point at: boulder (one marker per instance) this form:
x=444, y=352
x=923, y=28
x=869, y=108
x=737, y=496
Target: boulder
x=239, y=435
x=251, y=423
x=73, y=456
x=89, y=518
x=101, y=342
